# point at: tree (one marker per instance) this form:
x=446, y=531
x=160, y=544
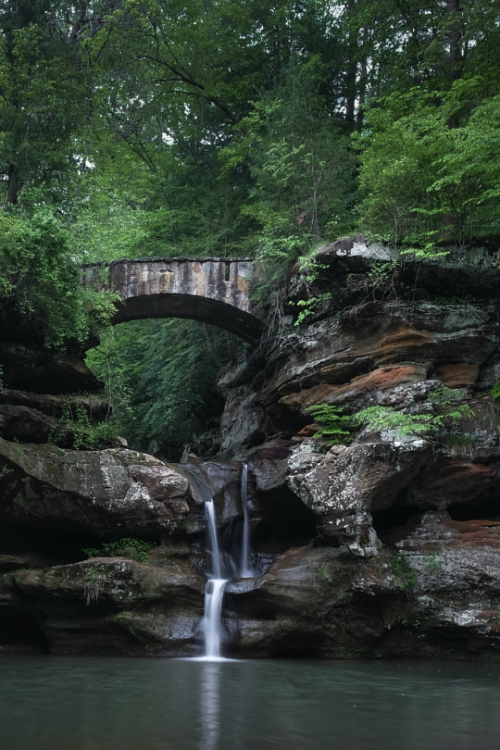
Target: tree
x=424, y=174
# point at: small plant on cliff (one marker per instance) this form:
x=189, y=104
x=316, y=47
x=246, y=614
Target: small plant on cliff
x=137, y=547
x=75, y=422
x=383, y=276
x=445, y=396
x=309, y=306
x=379, y=418
x=434, y=564
x=495, y=389
x=334, y=424
x=407, y=580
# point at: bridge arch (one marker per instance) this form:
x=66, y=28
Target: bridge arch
x=210, y=290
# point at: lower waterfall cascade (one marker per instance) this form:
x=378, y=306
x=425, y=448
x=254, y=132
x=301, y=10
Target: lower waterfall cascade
x=222, y=563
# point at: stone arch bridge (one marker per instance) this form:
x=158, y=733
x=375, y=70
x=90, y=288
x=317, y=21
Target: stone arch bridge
x=210, y=290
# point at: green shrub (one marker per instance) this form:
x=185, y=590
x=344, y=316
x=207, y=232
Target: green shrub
x=113, y=549
x=403, y=571
x=40, y=276
x=86, y=436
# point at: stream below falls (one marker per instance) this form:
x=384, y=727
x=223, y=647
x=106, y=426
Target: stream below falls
x=57, y=703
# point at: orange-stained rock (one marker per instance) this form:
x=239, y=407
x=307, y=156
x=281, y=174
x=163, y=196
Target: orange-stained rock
x=437, y=530
x=309, y=430
x=380, y=379
x=399, y=339
x=455, y=481
x=458, y=376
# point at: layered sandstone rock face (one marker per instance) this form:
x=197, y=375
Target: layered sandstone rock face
x=386, y=545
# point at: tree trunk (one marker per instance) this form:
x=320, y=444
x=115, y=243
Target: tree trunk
x=12, y=189
x=351, y=71
x=453, y=10
x=362, y=79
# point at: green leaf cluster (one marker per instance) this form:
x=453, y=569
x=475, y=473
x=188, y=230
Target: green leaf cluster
x=137, y=547
x=42, y=281
x=335, y=426
x=407, y=580
x=75, y=422
x=159, y=376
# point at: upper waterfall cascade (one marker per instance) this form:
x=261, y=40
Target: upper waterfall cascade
x=224, y=564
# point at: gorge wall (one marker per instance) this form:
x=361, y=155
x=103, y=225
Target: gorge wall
x=386, y=545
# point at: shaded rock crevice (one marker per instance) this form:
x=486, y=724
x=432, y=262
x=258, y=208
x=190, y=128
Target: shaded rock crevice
x=385, y=546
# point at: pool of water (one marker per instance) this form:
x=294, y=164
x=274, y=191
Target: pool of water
x=62, y=703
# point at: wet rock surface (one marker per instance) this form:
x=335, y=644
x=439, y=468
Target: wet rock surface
x=386, y=546
x=101, y=493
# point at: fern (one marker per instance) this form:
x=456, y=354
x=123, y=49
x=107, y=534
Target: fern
x=380, y=418
x=334, y=424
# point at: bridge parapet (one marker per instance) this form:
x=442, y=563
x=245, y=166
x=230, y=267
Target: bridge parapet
x=210, y=290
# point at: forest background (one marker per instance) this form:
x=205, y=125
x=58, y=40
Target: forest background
x=134, y=128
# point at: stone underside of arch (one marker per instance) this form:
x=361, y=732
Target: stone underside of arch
x=210, y=290
x=202, y=309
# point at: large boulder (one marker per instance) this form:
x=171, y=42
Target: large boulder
x=114, y=605
x=101, y=493
x=345, y=485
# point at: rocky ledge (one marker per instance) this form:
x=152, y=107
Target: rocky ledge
x=383, y=545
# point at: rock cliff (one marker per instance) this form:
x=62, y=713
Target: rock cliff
x=384, y=545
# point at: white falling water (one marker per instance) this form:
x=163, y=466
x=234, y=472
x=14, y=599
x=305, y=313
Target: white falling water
x=222, y=563
x=214, y=593
x=212, y=619
x=214, y=549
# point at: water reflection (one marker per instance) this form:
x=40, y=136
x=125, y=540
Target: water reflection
x=146, y=704
x=209, y=704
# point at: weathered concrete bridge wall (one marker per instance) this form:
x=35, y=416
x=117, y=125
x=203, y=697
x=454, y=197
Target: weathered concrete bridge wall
x=210, y=290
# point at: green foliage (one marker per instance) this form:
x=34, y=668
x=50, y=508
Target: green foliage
x=335, y=425
x=434, y=564
x=41, y=102
x=495, y=389
x=425, y=181
x=309, y=306
x=380, y=418
x=159, y=376
x=445, y=396
x=407, y=580
x=453, y=300
x=462, y=440
x=325, y=572
x=41, y=279
x=75, y=421
x=137, y=547
x=301, y=168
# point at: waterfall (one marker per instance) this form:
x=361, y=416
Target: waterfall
x=214, y=549
x=227, y=560
x=214, y=592
x=212, y=619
